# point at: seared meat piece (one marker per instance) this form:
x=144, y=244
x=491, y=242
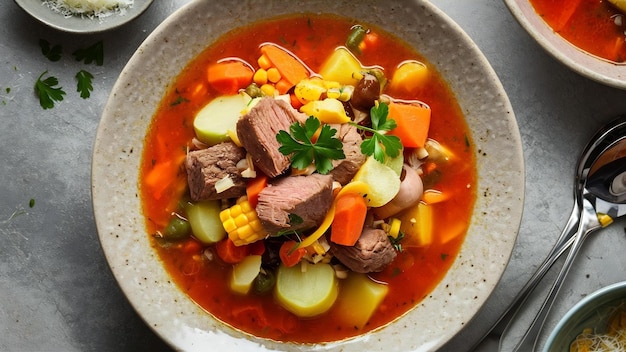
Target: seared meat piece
x=206, y=167
x=344, y=169
x=257, y=132
x=295, y=202
x=371, y=253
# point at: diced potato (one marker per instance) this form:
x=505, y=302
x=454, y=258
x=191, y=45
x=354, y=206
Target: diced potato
x=244, y=273
x=204, y=218
x=417, y=225
x=328, y=110
x=309, y=89
x=408, y=76
x=360, y=297
x=306, y=293
x=383, y=182
x=218, y=117
x=342, y=67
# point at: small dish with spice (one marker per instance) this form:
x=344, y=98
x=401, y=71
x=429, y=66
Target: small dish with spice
x=84, y=17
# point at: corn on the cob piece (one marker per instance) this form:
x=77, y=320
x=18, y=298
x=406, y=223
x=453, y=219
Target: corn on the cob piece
x=242, y=223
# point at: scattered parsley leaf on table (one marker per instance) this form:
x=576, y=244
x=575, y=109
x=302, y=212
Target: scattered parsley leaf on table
x=53, y=53
x=47, y=91
x=91, y=54
x=297, y=143
x=380, y=144
x=83, y=85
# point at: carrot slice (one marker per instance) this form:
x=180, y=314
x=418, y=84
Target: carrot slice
x=230, y=76
x=254, y=187
x=350, y=212
x=413, y=122
x=291, y=70
x=229, y=252
x=290, y=254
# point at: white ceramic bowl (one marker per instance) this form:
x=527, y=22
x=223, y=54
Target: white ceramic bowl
x=591, y=312
x=590, y=66
x=134, y=99
x=78, y=24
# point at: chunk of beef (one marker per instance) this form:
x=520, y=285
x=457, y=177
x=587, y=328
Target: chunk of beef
x=344, y=169
x=295, y=202
x=257, y=132
x=372, y=252
x=206, y=167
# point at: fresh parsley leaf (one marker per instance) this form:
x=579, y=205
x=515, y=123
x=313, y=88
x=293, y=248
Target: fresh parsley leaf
x=380, y=144
x=295, y=219
x=378, y=115
x=83, y=85
x=303, y=151
x=53, y=53
x=47, y=91
x=91, y=54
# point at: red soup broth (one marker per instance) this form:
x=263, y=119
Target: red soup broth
x=594, y=26
x=416, y=270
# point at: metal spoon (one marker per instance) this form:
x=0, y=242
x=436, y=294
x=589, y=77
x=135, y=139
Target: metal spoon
x=602, y=199
x=561, y=245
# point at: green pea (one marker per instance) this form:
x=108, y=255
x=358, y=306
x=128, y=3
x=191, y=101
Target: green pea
x=264, y=282
x=254, y=91
x=177, y=229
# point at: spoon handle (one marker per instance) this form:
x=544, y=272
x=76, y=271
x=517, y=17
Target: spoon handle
x=562, y=244
x=588, y=223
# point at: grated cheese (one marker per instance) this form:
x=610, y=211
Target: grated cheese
x=89, y=8
x=612, y=340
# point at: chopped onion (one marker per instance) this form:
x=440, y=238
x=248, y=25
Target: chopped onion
x=224, y=184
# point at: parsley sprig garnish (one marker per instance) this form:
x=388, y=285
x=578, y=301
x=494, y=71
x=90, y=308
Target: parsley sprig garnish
x=299, y=144
x=91, y=54
x=83, y=85
x=47, y=91
x=380, y=144
x=53, y=53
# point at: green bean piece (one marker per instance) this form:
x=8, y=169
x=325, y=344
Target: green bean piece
x=355, y=38
x=177, y=229
x=264, y=282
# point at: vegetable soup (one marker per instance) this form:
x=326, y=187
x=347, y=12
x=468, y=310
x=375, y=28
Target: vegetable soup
x=308, y=178
x=594, y=26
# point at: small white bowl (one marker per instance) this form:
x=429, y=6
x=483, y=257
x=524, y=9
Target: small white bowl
x=591, y=312
x=595, y=68
x=81, y=24
x=141, y=86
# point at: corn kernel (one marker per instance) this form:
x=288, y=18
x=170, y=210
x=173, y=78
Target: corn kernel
x=394, y=227
x=334, y=93
x=260, y=77
x=242, y=223
x=273, y=75
x=264, y=62
x=268, y=89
